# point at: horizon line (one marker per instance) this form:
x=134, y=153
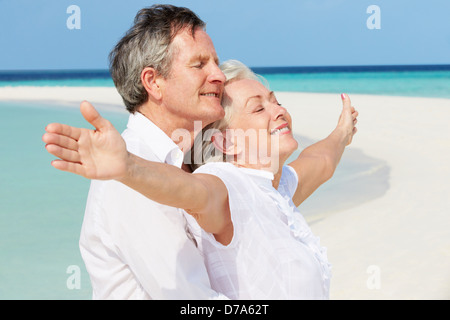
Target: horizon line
x=277, y=69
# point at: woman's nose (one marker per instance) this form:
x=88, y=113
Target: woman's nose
x=279, y=111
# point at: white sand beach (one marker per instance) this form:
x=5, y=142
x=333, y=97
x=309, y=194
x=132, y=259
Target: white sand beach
x=385, y=215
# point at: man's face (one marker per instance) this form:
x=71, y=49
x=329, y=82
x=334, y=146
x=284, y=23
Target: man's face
x=194, y=87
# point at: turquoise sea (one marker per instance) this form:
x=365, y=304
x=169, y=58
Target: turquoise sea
x=414, y=81
x=41, y=209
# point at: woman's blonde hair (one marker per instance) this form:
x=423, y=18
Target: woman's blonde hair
x=203, y=150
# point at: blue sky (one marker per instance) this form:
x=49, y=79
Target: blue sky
x=34, y=33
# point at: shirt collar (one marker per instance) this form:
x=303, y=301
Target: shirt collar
x=261, y=177
x=162, y=146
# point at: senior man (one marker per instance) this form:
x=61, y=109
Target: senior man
x=166, y=70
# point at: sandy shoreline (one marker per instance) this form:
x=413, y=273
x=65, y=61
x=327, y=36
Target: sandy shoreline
x=385, y=215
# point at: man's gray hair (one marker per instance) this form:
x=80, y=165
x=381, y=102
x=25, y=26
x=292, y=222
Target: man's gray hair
x=203, y=150
x=148, y=44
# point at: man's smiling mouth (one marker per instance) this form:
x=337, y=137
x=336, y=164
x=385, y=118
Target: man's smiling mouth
x=211, y=94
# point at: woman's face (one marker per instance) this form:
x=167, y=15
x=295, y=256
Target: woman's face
x=260, y=127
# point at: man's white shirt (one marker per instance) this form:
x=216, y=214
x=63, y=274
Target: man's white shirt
x=133, y=247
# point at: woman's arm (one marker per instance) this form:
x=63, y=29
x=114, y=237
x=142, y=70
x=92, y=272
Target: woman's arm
x=317, y=163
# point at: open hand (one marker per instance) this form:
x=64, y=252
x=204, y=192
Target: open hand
x=94, y=154
x=348, y=118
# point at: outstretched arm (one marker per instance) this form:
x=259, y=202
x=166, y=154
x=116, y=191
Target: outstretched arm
x=317, y=163
x=203, y=196
x=101, y=154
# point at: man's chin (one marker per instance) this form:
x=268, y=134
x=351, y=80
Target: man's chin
x=214, y=112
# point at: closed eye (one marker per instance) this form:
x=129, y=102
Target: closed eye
x=199, y=65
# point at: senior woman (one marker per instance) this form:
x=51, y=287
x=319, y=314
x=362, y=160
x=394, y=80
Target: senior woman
x=241, y=202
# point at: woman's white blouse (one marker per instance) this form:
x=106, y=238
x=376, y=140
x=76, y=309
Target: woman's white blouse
x=273, y=253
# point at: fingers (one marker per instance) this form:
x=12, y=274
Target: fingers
x=63, y=153
x=355, y=116
x=60, y=140
x=68, y=167
x=89, y=113
x=64, y=129
x=349, y=116
x=92, y=116
x=346, y=101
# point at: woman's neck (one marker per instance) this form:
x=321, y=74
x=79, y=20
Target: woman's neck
x=277, y=171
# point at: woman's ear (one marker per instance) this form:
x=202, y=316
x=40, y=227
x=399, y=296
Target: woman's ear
x=151, y=83
x=224, y=143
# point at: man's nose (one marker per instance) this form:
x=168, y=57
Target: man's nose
x=216, y=75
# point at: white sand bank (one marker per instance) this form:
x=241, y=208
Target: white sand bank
x=385, y=215
x=102, y=97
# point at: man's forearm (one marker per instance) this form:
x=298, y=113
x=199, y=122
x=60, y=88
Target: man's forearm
x=203, y=196
x=161, y=182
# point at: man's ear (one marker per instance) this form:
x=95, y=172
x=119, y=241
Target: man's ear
x=150, y=81
x=224, y=143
